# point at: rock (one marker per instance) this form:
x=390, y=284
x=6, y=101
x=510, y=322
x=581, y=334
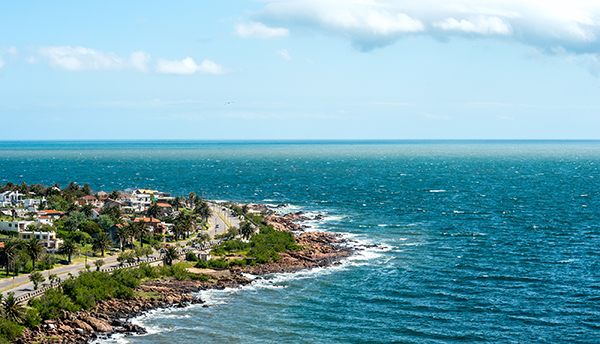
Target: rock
x=97, y=324
x=85, y=327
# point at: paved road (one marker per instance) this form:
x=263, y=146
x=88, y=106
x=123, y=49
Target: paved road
x=23, y=285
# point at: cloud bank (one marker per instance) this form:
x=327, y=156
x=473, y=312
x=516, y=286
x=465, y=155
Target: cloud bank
x=548, y=25
x=188, y=66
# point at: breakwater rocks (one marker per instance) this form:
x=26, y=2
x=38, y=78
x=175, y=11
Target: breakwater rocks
x=107, y=317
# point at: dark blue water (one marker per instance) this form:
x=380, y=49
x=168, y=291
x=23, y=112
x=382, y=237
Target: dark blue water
x=479, y=241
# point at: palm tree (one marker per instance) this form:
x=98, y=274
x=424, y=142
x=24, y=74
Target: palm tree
x=171, y=254
x=183, y=224
x=12, y=309
x=203, y=209
x=142, y=231
x=246, y=229
x=124, y=233
x=154, y=210
x=102, y=242
x=35, y=249
x=69, y=247
x=87, y=210
x=9, y=253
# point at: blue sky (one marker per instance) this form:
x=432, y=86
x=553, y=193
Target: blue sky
x=300, y=69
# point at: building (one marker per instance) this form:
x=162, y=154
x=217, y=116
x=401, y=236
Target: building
x=11, y=197
x=15, y=226
x=153, y=224
x=48, y=239
x=165, y=208
x=87, y=200
x=53, y=214
x=34, y=202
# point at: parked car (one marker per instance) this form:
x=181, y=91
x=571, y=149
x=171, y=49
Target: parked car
x=63, y=262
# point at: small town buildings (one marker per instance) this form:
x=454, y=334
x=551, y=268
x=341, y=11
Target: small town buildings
x=53, y=214
x=153, y=224
x=165, y=208
x=15, y=226
x=112, y=203
x=48, y=239
x=34, y=202
x=11, y=197
x=87, y=200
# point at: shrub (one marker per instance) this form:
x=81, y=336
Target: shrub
x=50, y=305
x=9, y=330
x=191, y=257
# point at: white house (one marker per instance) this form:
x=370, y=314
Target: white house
x=48, y=239
x=33, y=202
x=11, y=196
x=15, y=226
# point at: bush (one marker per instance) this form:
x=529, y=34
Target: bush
x=191, y=257
x=33, y=318
x=202, y=264
x=50, y=305
x=10, y=330
x=237, y=262
x=220, y=263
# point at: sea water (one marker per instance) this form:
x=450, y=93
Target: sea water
x=476, y=241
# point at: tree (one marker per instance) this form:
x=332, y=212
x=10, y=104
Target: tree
x=105, y=221
x=36, y=277
x=246, y=229
x=183, y=224
x=102, y=242
x=87, y=210
x=154, y=210
x=176, y=203
x=35, y=249
x=98, y=263
x=114, y=195
x=204, y=211
x=232, y=232
x=141, y=231
x=171, y=254
x=9, y=253
x=69, y=248
x=86, y=189
x=204, y=237
x=12, y=309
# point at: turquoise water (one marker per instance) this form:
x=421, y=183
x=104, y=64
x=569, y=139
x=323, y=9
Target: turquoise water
x=478, y=241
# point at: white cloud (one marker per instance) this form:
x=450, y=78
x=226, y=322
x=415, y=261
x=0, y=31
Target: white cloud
x=139, y=60
x=284, y=53
x=259, y=30
x=79, y=58
x=13, y=50
x=545, y=24
x=187, y=66
x=1, y=63
x=482, y=25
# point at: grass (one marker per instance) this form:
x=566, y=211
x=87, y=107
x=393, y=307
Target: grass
x=148, y=294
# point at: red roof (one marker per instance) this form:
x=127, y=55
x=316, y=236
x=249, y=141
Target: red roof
x=49, y=211
x=163, y=205
x=147, y=219
x=89, y=197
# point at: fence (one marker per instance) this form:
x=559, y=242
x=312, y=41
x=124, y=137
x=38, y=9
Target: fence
x=43, y=289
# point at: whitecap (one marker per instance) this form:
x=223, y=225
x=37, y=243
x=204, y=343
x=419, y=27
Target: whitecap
x=437, y=191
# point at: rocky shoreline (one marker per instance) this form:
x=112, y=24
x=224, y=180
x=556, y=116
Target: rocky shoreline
x=106, y=319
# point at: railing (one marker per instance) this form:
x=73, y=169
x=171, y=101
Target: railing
x=43, y=289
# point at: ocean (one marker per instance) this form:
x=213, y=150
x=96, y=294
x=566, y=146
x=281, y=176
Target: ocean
x=476, y=241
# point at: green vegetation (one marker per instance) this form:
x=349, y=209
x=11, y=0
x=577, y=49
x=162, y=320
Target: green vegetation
x=263, y=247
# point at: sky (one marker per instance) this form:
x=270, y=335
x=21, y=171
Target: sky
x=300, y=70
